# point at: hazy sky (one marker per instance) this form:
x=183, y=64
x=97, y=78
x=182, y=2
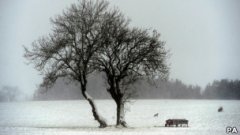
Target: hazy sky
x=202, y=35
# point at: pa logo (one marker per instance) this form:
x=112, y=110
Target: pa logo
x=231, y=130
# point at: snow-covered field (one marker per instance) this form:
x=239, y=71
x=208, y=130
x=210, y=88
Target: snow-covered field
x=74, y=117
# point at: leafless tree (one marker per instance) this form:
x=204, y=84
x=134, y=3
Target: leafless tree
x=9, y=93
x=68, y=50
x=128, y=54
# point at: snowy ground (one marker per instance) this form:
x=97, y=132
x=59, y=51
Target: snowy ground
x=75, y=118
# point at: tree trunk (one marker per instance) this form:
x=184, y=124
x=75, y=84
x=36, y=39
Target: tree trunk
x=120, y=114
x=97, y=117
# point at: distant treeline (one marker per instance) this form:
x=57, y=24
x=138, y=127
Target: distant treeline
x=176, y=89
x=9, y=94
x=158, y=89
x=173, y=89
x=223, y=89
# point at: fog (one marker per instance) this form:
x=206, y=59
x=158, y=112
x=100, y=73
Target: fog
x=142, y=89
x=203, y=37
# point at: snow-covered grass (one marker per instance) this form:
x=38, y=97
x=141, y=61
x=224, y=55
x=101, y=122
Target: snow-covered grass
x=74, y=117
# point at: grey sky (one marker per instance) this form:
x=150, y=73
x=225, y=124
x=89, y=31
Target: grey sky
x=203, y=36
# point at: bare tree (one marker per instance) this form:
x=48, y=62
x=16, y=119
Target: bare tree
x=128, y=54
x=68, y=50
x=9, y=94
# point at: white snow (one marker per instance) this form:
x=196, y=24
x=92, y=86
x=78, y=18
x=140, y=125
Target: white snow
x=75, y=118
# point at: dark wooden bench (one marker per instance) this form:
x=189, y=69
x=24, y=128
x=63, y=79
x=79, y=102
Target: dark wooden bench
x=176, y=122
